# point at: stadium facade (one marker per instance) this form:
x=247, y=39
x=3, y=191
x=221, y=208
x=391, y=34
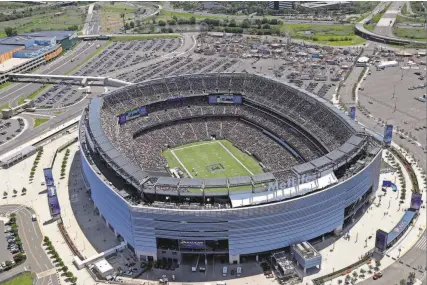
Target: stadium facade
x=160, y=217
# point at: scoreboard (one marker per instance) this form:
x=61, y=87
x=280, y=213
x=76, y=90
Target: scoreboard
x=225, y=98
x=132, y=114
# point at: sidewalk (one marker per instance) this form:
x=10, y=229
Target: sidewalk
x=345, y=252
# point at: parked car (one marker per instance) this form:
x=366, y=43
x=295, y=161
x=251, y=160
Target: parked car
x=377, y=275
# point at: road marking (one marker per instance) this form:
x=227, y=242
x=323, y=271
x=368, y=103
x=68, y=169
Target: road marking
x=29, y=249
x=196, y=145
x=229, y=152
x=35, y=231
x=186, y=170
x=46, y=273
x=421, y=244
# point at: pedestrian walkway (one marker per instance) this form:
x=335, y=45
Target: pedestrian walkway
x=421, y=244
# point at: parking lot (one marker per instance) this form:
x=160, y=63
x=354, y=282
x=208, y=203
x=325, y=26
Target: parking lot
x=395, y=102
x=10, y=128
x=5, y=254
x=125, y=54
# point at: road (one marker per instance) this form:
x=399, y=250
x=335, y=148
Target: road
x=409, y=262
x=62, y=65
x=32, y=238
x=385, y=24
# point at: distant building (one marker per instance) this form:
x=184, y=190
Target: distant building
x=281, y=5
x=327, y=5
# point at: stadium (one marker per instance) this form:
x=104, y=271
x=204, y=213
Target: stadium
x=232, y=165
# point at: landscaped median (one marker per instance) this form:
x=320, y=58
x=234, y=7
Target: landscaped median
x=24, y=278
x=57, y=260
x=33, y=95
x=131, y=37
x=39, y=121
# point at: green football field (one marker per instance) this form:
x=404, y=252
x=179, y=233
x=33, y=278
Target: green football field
x=212, y=159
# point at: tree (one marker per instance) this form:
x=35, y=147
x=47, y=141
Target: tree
x=15, y=192
x=162, y=23
x=64, y=268
x=402, y=282
x=69, y=274
x=127, y=26
x=8, y=263
x=8, y=31
x=132, y=25
x=138, y=23
x=5, y=194
x=73, y=279
x=411, y=276
x=192, y=20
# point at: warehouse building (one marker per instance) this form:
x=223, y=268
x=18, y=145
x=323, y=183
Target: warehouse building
x=20, y=54
x=67, y=39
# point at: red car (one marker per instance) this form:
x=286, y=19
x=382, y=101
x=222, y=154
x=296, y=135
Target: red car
x=377, y=275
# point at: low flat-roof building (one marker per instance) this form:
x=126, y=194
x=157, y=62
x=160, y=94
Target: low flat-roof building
x=103, y=267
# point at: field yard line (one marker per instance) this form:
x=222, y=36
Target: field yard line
x=227, y=150
x=186, y=170
x=196, y=145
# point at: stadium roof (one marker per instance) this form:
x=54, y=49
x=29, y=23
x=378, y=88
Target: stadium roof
x=303, y=168
x=263, y=177
x=239, y=180
x=216, y=182
x=191, y=182
x=168, y=181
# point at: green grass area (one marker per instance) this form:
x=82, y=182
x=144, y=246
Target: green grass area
x=39, y=121
x=5, y=106
x=342, y=35
x=23, y=279
x=409, y=20
x=212, y=159
x=45, y=19
x=404, y=9
x=118, y=7
x=142, y=37
x=369, y=27
x=410, y=33
x=5, y=84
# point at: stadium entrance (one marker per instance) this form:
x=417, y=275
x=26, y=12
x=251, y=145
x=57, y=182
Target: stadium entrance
x=187, y=251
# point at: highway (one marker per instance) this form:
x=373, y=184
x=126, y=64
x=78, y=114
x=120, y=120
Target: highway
x=62, y=65
x=385, y=25
x=32, y=238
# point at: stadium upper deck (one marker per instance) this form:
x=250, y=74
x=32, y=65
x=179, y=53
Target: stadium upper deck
x=297, y=137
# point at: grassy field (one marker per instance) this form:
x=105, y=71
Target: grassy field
x=118, y=7
x=46, y=19
x=212, y=159
x=39, y=121
x=409, y=20
x=111, y=16
x=410, y=33
x=323, y=34
x=23, y=279
x=5, y=106
x=5, y=84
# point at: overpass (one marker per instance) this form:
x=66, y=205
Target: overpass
x=364, y=33
x=67, y=79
